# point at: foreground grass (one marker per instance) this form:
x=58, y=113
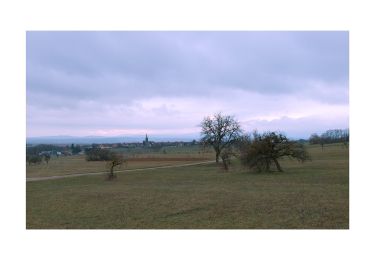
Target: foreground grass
x=310, y=195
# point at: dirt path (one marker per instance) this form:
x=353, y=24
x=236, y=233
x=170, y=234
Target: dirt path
x=99, y=173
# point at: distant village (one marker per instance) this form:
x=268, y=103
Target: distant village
x=76, y=149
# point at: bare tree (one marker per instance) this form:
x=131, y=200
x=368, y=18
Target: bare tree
x=47, y=157
x=114, y=160
x=263, y=151
x=220, y=132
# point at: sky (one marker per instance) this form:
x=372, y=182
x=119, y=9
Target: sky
x=164, y=83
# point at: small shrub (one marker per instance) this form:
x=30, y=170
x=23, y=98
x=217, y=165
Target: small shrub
x=97, y=154
x=36, y=159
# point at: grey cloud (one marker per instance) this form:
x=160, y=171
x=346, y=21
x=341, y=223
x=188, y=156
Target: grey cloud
x=68, y=70
x=175, y=62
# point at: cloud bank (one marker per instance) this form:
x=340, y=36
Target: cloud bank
x=164, y=83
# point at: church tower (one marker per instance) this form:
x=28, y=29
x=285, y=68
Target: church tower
x=145, y=142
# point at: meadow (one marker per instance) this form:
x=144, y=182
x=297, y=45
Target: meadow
x=312, y=195
x=136, y=158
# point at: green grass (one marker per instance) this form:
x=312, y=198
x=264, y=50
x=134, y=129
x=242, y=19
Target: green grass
x=310, y=195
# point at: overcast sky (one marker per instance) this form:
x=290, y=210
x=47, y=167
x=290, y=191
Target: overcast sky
x=164, y=83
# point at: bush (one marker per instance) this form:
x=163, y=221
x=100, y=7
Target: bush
x=97, y=154
x=34, y=159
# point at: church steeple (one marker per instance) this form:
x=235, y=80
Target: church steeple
x=145, y=142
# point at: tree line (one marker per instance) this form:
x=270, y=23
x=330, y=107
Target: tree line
x=331, y=136
x=43, y=152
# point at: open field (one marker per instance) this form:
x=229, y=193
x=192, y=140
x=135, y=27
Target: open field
x=77, y=164
x=310, y=195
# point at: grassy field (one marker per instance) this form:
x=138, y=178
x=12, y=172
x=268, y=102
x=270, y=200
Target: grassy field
x=77, y=164
x=310, y=195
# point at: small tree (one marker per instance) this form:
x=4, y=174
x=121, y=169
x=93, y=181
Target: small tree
x=263, y=151
x=115, y=159
x=220, y=132
x=47, y=157
x=322, y=141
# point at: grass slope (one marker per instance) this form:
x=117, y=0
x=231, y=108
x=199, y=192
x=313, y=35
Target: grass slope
x=310, y=195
